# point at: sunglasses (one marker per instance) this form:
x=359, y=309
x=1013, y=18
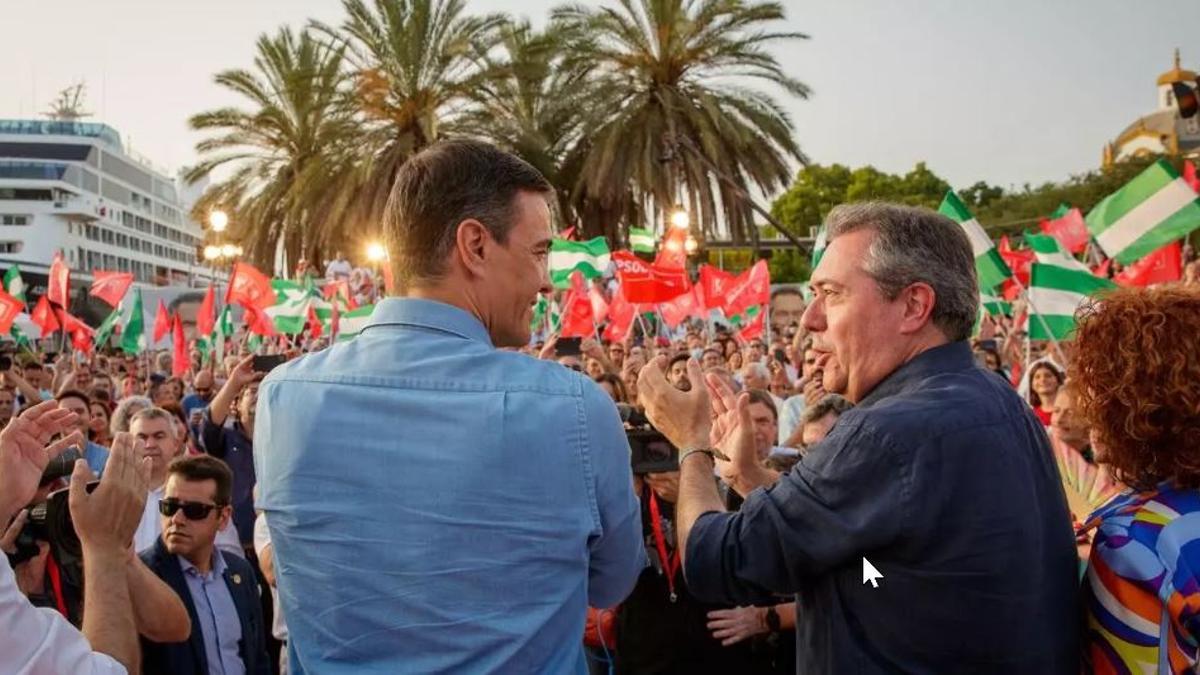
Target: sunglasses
x=191, y=510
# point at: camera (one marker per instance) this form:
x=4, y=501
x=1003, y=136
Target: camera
x=50, y=521
x=649, y=450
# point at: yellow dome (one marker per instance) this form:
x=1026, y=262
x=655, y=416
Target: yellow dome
x=1176, y=74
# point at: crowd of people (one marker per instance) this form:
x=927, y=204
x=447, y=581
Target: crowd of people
x=445, y=493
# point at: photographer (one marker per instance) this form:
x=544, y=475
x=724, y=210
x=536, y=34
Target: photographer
x=39, y=640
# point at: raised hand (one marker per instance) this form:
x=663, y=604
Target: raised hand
x=106, y=518
x=732, y=428
x=26, y=449
x=684, y=417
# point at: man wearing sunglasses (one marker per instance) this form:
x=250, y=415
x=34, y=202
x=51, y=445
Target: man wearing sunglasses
x=218, y=588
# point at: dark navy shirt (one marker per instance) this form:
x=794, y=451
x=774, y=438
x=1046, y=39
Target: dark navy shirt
x=230, y=443
x=944, y=480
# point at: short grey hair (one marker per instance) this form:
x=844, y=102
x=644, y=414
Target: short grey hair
x=756, y=369
x=830, y=404
x=130, y=405
x=156, y=413
x=914, y=245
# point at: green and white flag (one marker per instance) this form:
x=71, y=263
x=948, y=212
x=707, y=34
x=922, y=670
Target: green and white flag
x=292, y=300
x=1054, y=295
x=994, y=305
x=818, y=247
x=352, y=322
x=105, y=330
x=1048, y=251
x=989, y=266
x=641, y=240
x=744, y=319
x=589, y=257
x=1152, y=210
x=133, y=336
x=14, y=285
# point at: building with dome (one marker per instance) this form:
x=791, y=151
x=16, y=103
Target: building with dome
x=1162, y=131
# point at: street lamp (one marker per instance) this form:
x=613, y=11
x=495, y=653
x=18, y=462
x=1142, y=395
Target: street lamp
x=679, y=218
x=376, y=252
x=218, y=220
x=211, y=252
x=691, y=245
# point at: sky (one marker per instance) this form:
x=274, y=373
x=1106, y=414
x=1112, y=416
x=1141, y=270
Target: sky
x=1013, y=92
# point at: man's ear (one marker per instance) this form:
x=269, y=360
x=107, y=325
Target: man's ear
x=470, y=244
x=919, y=299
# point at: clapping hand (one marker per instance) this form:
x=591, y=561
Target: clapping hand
x=26, y=449
x=732, y=428
x=684, y=417
x=106, y=518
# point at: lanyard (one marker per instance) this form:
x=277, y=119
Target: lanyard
x=670, y=563
x=56, y=585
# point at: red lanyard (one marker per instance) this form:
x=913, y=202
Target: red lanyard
x=56, y=585
x=670, y=563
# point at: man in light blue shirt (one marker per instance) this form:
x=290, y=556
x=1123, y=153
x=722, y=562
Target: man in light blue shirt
x=435, y=504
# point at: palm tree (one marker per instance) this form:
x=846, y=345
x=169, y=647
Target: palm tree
x=290, y=152
x=678, y=128
x=533, y=103
x=415, y=62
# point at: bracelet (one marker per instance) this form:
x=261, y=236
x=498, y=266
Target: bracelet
x=703, y=451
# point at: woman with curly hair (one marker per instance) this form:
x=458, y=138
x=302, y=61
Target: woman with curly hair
x=1137, y=372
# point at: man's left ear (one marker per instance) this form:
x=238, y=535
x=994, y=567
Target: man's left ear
x=919, y=299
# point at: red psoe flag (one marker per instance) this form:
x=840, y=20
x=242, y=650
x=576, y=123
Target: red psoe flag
x=577, y=318
x=642, y=282
x=1070, y=230
x=249, y=286
x=43, y=316
x=752, y=287
x=179, y=359
x=206, y=317
x=10, y=307
x=58, y=285
x=1159, y=267
x=314, y=323
x=716, y=283
x=162, y=322
x=110, y=287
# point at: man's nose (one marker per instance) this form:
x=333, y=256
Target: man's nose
x=813, y=319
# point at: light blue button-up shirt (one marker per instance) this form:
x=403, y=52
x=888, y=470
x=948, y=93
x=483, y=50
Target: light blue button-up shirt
x=220, y=624
x=437, y=505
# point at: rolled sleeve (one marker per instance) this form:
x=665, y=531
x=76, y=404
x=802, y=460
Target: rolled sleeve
x=848, y=500
x=617, y=555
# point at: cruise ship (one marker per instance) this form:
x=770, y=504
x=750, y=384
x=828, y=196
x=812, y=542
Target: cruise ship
x=72, y=186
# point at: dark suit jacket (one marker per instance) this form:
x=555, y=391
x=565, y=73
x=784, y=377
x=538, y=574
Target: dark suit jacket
x=188, y=658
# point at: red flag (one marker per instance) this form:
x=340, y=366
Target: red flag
x=82, y=342
x=716, y=283
x=1161, y=266
x=43, y=316
x=72, y=324
x=577, y=318
x=1101, y=270
x=162, y=322
x=1070, y=230
x=10, y=307
x=58, y=284
x=750, y=288
x=681, y=308
x=110, y=286
x=206, y=317
x=249, y=286
x=568, y=233
x=179, y=360
x=314, y=324
x=673, y=252
x=642, y=282
x=754, y=329
x=599, y=304
x=1017, y=261
x=1189, y=175
x=258, y=322
x=620, y=318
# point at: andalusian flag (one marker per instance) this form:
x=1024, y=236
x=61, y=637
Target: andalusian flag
x=1150, y=212
x=351, y=323
x=989, y=266
x=105, y=330
x=1054, y=295
x=994, y=305
x=1048, y=251
x=292, y=300
x=14, y=285
x=818, y=247
x=641, y=240
x=133, y=336
x=588, y=257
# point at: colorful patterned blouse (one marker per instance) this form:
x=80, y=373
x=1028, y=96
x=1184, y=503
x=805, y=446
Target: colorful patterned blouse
x=1141, y=593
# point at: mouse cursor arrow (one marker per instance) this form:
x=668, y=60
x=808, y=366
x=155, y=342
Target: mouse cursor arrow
x=871, y=574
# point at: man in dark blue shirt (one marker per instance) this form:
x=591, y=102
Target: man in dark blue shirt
x=928, y=533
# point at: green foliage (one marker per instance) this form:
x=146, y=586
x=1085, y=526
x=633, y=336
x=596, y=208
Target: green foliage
x=789, y=266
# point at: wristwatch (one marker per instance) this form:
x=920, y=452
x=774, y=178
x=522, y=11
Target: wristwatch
x=773, y=620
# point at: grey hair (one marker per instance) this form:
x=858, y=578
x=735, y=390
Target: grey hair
x=756, y=369
x=914, y=245
x=156, y=413
x=830, y=404
x=119, y=423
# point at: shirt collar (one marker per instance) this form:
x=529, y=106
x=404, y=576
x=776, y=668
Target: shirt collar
x=429, y=314
x=216, y=572
x=950, y=357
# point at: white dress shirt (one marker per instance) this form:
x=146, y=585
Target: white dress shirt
x=39, y=641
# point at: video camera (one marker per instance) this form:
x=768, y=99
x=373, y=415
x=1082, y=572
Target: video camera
x=649, y=450
x=50, y=521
